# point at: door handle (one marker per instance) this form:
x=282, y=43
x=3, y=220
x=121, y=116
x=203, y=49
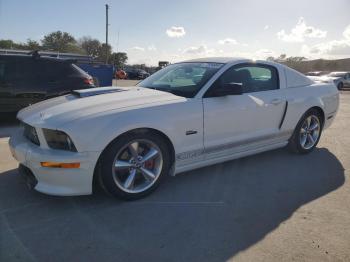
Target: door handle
x=276, y=101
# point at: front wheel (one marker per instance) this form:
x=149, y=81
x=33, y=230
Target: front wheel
x=133, y=165
x=307, y=133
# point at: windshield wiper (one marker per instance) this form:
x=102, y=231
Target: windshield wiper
x=165, y=88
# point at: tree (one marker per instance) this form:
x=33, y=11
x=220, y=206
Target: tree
x=91, y=47
x=295, y=59
x=74, y=48
x=29, y=45
x=271, y=58
x=7, y=44
x=102, y=55
x=32, y=45
x=64, y=42
x=118, y=59
x=59, y=41
x=282, y=57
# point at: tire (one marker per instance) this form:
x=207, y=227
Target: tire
x=308, y=133
x=340, y=86
x=96, y=82
x=122, y=176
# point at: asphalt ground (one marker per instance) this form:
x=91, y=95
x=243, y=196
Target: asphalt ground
x=274, y=206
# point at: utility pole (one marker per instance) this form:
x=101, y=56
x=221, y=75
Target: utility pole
x=118, y=41
x=107, y=33
x=116, y=78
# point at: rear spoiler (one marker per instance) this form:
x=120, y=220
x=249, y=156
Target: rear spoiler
x=96, y=91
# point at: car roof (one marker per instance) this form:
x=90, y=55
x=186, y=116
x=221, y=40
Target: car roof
x=41, y=57
x=223, y=60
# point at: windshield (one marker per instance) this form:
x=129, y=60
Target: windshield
x=182, y=79
x=335, y=74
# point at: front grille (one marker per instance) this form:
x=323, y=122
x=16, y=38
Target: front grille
x=29, y=132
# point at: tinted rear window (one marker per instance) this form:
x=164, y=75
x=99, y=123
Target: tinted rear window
x=76, y=68
x=12, y=67
x=27, y=68
x=8, y=69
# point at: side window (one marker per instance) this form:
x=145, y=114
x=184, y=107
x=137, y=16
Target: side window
x=8, y=70
x=51, y=70
x=253, y=77
x=26, y=69
x=2, y=71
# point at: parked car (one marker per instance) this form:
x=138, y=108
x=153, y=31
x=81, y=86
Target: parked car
x=101, y=73
x=121, y=74
x=185, y=116
x=136, y=74
x=28, y=79
x=317, y=73
x=340, y=79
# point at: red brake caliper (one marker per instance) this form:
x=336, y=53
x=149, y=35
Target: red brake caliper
x=149, y=164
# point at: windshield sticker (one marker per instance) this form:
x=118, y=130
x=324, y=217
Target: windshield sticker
x=211, y=65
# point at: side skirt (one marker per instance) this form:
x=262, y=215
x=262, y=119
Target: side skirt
x=214, y=160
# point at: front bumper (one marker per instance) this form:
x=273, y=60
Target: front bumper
x=55, y=181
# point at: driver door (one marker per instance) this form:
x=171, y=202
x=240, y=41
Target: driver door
x=238, y=123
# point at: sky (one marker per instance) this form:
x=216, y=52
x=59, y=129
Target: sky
x=175, y=30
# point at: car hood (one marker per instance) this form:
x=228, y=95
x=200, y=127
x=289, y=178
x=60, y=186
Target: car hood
x=55, y=112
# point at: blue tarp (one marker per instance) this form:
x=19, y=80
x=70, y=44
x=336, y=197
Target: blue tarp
x=103, y=72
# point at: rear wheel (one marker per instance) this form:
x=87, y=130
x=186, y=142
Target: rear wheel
x=307, y=133
x=340, y=86
x=133, y=165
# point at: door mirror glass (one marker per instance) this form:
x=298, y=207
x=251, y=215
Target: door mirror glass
x=229, y=89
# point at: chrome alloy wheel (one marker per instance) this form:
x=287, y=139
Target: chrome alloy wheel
x=310, y=132
x=137, y=166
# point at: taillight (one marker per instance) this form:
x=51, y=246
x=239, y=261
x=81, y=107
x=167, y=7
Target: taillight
x=88, y=81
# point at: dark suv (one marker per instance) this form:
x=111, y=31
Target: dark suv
x=27, y=79
x=136, y=74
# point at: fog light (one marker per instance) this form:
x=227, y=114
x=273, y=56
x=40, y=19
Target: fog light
x=60, y=165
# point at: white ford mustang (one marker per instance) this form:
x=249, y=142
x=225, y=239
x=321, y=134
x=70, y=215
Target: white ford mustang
x=185, y=116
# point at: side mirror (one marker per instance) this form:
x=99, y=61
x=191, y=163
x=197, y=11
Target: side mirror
x=229, y=89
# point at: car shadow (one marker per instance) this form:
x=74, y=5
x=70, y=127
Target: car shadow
x=209, y=214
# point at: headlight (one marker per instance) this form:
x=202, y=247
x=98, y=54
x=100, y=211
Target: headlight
x=58, y=140
x=30, y=133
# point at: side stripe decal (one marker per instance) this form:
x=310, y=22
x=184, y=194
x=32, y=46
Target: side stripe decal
x=213, y=149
